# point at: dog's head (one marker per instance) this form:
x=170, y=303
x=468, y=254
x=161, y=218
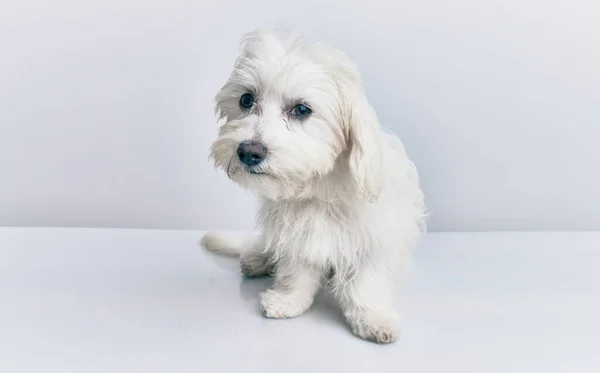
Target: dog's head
x=292, y=114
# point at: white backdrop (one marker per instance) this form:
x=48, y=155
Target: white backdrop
x=106, y=107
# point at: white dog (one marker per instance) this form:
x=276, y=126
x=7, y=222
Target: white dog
x=340, y=201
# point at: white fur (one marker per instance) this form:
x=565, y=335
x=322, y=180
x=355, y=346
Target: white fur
x=340, y=201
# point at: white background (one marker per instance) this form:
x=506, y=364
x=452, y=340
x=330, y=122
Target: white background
x=106, y=107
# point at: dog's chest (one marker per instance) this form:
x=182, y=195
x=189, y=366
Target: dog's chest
x=320, y=233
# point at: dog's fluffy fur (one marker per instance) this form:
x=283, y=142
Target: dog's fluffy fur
x=340, y=201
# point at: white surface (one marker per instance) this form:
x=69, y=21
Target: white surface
x=122, y=301
x=106, y=107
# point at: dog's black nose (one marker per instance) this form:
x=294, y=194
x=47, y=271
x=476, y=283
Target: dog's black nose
x=251, y=153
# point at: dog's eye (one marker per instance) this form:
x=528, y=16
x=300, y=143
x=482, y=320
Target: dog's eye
x=301, y=110
x=246, y=101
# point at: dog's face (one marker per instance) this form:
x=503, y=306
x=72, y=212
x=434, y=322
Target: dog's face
x=292, y=113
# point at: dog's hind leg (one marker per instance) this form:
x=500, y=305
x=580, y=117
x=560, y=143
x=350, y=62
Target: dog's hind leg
x=256, y=263
x=254, y=260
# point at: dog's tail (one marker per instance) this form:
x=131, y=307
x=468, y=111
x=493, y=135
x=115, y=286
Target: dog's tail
x=223, y=244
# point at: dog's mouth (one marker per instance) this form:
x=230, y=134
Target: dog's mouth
x=234, y=167
x=253, y=171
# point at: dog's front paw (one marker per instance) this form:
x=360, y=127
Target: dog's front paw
x=377, y=333
x=278, y=305
x=376, y=329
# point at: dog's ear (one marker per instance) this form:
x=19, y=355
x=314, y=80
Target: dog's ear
x=364, y=142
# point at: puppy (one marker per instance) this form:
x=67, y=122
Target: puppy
x=339, y=200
